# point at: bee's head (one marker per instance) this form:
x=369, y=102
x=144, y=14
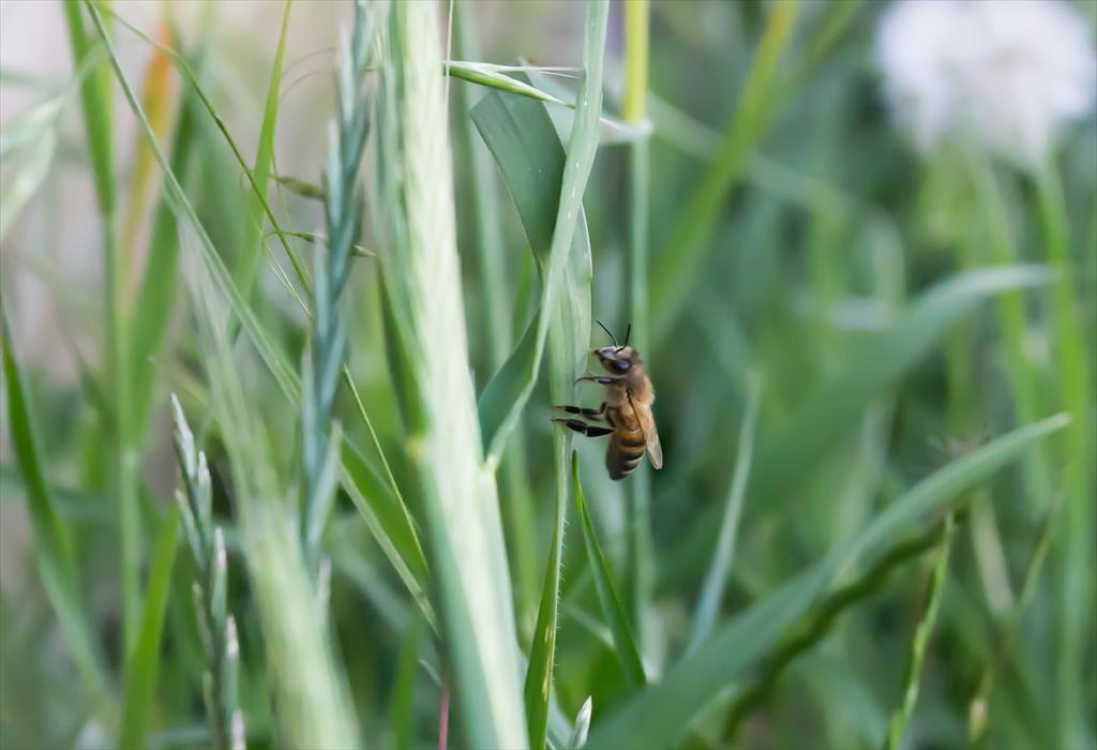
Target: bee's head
x=616, y=359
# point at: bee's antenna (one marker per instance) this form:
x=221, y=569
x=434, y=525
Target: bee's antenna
x=607, y=331
x=628, y=332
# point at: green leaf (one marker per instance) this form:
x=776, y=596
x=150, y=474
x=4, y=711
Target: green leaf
x=503, y=400
x=628, y=656
x=52, y=545
x=144, y=663
x=662, y=714
x=874, y=366
x=494, y=76
x=251, y=251
x=542, y=657
x=681, y=259
x=712, y=591
x=95, y=96
x=156, y=295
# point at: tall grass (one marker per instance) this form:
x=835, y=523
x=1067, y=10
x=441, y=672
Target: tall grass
x=373, y=504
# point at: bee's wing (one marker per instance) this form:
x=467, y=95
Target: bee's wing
x=651, y=435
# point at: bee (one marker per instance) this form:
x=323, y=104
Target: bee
x=625, y=412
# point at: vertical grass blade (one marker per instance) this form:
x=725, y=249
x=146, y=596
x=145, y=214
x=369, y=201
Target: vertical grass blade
x=1075, y=361
x=52, y=544
x=421, y=269
x=251, y=250
x=712, y=591
x=677, y=266
x=661, y=715
x=628, y=656
x=95, y=94
x=638, y=541
x=144, y=663
x=899, y=721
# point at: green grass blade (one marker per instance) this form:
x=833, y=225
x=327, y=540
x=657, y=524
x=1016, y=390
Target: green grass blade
x=156, y=294
x=144, y=662
x=503, y=401
x=681, y=259
x=662, y=714
x=485, y=74
x=192, y=79
x=52, y=544
x=628, y=656
x=272, y=356
x=922, y=632
x=251, y=250
x=542, y=657
x=95, y=98
x=712, y=591
x=870, y=369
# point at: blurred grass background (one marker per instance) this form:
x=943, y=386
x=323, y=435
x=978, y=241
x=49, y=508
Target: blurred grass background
x=828, y=317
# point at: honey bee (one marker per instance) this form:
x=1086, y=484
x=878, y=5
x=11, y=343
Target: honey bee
x=626, y=409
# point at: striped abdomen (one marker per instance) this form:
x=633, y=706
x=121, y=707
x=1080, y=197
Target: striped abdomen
x=626, y=444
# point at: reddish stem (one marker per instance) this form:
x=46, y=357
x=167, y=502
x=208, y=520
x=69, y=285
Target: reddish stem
x=443, y=718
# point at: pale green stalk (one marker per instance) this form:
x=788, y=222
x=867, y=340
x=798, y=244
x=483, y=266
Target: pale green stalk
x=95, y=94
x=459, y=501
x=1023, y=378
x=638, y=541
x=1075, y=617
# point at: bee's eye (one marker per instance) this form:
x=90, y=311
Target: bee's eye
x=621, y=365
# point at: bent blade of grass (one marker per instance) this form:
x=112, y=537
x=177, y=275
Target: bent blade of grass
x=681, y=259
x=144, y=662
x=273, y=357
x=920, y=644
x=506, y=396
x=492, y=76
x=661, y=715
x=52, y=544
x=628, y=656
x=874, y=366
x=712, y=590
x=191, y=78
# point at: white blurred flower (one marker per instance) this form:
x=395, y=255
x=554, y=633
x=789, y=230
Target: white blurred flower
x=1006, y=75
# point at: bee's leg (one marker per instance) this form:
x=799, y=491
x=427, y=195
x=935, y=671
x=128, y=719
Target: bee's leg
x=598, y=414
x=583, y=428
x=600, y=379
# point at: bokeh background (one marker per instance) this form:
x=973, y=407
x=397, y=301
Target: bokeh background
x=800, y=226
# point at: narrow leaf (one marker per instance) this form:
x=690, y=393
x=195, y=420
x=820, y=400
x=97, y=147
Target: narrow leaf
x=628, y=656
x=662, y=714
x=144, y=663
